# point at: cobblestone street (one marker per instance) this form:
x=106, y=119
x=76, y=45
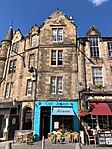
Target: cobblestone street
x=38, y=145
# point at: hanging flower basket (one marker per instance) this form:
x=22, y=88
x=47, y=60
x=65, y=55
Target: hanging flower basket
x=82, y=112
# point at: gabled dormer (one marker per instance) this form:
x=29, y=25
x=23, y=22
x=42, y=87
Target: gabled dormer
x=17, y=37
x=93, y=31
x=34, y=30
x=93, y=36
x=33, y=36
x=57, y=28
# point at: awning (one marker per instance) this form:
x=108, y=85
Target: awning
x=110, y=106
x=100, y=109
x=62, y=111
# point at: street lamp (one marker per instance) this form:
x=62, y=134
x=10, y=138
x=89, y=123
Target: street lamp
x=34, y=79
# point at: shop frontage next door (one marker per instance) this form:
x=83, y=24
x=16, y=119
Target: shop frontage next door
x=101, y=115
x=45, y=121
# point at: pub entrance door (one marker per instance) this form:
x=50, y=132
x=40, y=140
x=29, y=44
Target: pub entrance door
x=45, y=121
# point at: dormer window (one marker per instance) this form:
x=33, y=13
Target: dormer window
x=94, y=46
x=57, y=34
x=33, y=41
x=15, y=47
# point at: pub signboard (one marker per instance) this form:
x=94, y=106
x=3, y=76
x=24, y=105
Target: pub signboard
x=105, y=139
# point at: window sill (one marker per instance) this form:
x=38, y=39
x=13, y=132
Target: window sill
x=56, y=66
x=57, y=42
x=98, y=86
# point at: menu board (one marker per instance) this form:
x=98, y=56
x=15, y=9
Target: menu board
x=105, y=139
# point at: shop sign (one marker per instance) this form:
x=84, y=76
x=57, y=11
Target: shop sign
x=62, y=111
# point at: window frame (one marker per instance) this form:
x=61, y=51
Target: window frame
x=56, y=85
x=94, y=46
x=12, y=66
x=29, y=88
x=33, y=41
x=15, y=46
x=32, y=61
x=57, y=58
x=9, y=90
x=57, y=36
x=97, y=76
x=109, y=45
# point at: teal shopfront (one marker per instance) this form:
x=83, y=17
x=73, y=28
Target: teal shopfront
x=50, y=115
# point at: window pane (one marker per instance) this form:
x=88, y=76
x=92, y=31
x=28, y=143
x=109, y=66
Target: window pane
x=94, y=48
x=53, y=57
x=11, y=89
x=53, y=85
x=97, y=76
x=29, y=87
x=15, y=46
x=14, y=65
x=7, y=91
x=54, y=34
x=60, y=57
x=60, y=34
x=33, y=42
x=32, y=60
x=59, y=85
x=110, y=49
x=11, y=67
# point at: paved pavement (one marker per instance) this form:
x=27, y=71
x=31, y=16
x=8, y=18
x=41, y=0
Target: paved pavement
x=38, y=145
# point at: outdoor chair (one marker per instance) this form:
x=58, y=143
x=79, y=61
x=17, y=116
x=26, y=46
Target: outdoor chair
x=90, y=137
x=59, y=137
x=29, y=137
x=18, y=137
x=75, y=137
x=68, y=137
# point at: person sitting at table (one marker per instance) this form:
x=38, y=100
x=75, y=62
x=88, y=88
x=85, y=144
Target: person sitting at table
x=90, y=132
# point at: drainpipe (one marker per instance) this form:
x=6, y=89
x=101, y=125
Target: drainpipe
x=84, y=71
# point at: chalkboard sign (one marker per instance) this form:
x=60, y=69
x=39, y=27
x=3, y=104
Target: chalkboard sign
x=105, y=139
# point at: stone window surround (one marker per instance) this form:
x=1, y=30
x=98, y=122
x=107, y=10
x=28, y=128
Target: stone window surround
x=56, y=84
x=9, y=89
x=57, y=34
x=57, y=57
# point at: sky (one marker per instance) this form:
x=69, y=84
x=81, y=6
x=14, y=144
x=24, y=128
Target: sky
x=25, y=13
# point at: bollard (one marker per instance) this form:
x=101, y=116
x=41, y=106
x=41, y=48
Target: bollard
x=77, y=146
x=43, y=143
x=8, y=146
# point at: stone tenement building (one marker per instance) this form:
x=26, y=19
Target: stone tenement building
x=47, y=75
x=96, y=57
x=50, y=50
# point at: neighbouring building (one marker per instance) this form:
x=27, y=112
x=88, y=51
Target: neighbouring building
x=96, y=97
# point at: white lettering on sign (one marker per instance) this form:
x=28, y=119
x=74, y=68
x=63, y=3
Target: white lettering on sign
x=63, y=111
